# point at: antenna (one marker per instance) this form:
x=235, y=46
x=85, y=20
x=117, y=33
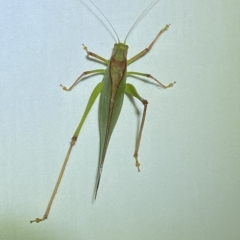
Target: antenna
x=146, y=9
x=105, y=18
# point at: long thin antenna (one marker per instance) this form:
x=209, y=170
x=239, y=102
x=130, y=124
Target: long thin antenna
x=146, y=9
x=105, y=18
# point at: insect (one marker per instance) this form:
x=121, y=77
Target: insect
x=111, y=90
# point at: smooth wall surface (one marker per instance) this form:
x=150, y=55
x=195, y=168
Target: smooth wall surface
x=188, y=187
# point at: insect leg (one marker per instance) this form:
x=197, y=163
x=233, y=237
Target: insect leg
x=95, y=71
x=95, y=55
x=153, y=78
x=130, y=89
x=91, y=100
x=146, y=50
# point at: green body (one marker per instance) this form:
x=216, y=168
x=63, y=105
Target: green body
x=111, y=98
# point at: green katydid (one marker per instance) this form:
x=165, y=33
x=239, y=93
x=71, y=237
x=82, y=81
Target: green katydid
x=111, y=90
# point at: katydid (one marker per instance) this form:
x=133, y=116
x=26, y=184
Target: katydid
x=111, y=90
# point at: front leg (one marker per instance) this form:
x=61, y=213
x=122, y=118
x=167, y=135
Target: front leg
x=105, y=61
x=146, y=50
